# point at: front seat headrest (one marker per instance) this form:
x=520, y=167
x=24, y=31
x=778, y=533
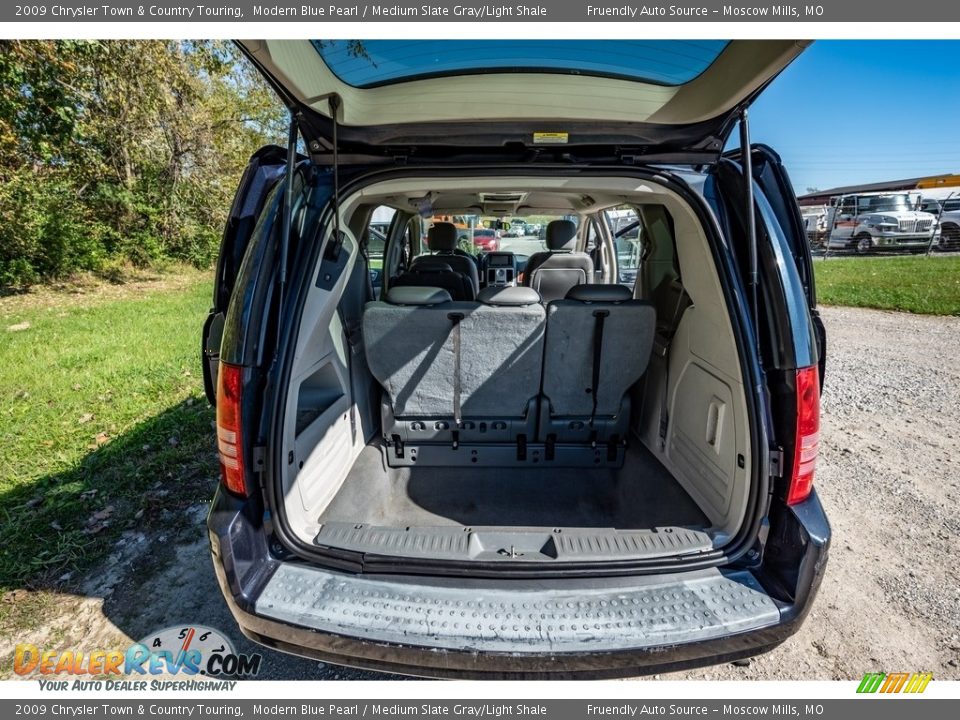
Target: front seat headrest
x=561, y=235
x=417, y=295
x=442, y=237
x=596, y=292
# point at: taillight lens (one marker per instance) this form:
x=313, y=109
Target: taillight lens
x=808, y=435
x=229, y=434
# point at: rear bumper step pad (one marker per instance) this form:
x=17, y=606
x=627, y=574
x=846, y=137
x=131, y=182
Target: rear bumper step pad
x=648, y=612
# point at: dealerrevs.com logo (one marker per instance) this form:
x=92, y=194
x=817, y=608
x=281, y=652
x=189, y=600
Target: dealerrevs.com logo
x=181, y=650
x=911, y=683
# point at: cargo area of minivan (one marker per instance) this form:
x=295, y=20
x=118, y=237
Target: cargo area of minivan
x=608, y=424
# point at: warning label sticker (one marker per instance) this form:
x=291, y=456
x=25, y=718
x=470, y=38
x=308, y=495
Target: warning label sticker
x=550, y=138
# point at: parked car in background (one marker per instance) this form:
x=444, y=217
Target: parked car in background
x=948, y=229
x=486, y=240
x=878, y=221
x=518, y=228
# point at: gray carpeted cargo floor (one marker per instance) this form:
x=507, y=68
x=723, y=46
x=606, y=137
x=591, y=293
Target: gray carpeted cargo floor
x=642, y=494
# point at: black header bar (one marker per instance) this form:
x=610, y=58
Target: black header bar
x=578, y=11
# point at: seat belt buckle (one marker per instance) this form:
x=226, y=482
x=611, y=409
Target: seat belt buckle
x=660, y=346
x=664, y=424
x=355, y=337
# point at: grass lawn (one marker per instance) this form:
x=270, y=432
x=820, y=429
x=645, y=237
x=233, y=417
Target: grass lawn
x=916, y=284
x=104, y=427
x=103, y=422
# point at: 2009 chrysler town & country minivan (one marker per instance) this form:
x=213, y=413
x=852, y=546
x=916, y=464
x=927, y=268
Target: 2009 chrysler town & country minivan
x=589, y=453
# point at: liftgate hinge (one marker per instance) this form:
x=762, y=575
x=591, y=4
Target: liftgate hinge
x=776, y=463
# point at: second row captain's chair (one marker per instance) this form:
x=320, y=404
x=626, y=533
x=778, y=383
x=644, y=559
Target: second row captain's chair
x=442, y=241
x=554, y=272
x=436, y=275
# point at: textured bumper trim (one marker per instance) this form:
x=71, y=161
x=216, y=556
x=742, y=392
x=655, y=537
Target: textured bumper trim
x=650, y=612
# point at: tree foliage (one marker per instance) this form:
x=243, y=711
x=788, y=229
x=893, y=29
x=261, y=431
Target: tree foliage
x=122, y=151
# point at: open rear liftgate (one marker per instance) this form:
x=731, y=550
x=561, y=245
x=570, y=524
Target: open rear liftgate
x=493, y=628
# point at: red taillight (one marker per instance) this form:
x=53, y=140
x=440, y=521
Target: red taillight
x=808, y=435
x=229, y=434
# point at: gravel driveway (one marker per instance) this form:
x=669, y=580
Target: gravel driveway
x=888, y=476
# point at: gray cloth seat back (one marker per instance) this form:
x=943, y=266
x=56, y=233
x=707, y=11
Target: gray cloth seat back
x=437, y=273
x=407, y=342
x=412, y=351
x=503, y=353
x=573, y=359
x=442, y=241
x=554, y=272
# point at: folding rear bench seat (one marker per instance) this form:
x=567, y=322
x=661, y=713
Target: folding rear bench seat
x=460, y=379
x=598, y=344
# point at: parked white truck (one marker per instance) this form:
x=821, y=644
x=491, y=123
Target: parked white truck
x=815, y=223
x=947, y=210
x=878, y=221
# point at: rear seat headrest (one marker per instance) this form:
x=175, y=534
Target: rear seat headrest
x=561, y=235
x=599, y=293
x=442, y=237
x=508, y=296
x=417, y=295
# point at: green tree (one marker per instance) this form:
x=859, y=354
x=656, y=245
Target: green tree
x=122, y=151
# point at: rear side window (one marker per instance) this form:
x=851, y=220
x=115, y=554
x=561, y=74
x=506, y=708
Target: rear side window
x=376, y=241
x=400, y=250
x=626, y=230
x=377, y=234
